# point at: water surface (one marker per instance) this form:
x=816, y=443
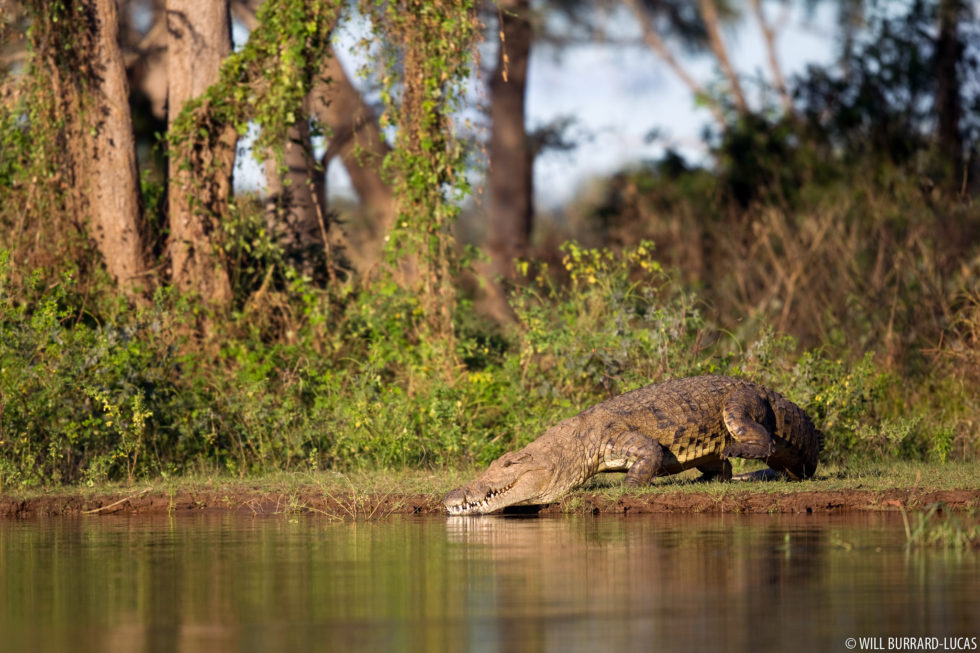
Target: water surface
x=234, y=583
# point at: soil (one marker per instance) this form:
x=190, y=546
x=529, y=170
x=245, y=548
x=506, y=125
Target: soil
x=311, y=501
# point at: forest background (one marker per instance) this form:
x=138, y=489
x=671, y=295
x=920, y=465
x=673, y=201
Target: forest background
x=154, y=322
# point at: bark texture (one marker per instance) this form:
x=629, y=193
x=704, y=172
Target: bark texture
x=511, y=159
x=297, y=198
x=199, y=38
x=114, y=203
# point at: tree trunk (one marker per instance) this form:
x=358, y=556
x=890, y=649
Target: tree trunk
x=113, y=176
x=296, y=206
x=949, y=51
x=511, y=159
x=297, y=199
x=199, y=38
x=355, y=137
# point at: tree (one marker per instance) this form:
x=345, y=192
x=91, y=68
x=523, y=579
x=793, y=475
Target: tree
x=510, y=178
x=297, y=194
x=691, y=30
x=947, y=58
x=699, y=28
x=769, y=37
x=79, y=161
x=114, y=204
x=428, y=51
x=199, y=38
x=710, y=16
x=213, y=95
x=297, y=198
x=354, y=135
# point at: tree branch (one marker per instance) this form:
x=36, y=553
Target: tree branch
x=656, y=43
x=769, y=36
x=709, y=12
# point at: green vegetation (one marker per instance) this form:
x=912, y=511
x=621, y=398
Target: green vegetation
x=100, y=391
x=861, y=474
x=935, y=526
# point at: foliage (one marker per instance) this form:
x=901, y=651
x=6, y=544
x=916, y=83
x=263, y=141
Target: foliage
x=935, y=526
x=880, y=104
x=265, y=82
x=428, y=52
x=41, y=220
x=98, y=390
x=615, y=325
x=74, y=393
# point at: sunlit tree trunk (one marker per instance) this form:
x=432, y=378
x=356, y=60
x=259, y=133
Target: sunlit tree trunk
x=510, y=178
x=199, y=38
x=113, y=177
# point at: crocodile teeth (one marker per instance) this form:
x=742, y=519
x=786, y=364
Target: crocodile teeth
x=482, y=504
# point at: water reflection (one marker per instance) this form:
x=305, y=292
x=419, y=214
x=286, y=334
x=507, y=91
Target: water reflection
x=480, y=584
x=707, y=583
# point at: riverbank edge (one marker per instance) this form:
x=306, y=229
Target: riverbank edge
x=353, y=505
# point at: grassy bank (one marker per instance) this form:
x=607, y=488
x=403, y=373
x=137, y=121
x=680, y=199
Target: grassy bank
x=373, y=495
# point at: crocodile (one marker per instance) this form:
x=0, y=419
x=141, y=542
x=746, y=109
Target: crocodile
x=657, y=430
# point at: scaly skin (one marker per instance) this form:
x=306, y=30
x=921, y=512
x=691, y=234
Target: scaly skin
x=658, y=430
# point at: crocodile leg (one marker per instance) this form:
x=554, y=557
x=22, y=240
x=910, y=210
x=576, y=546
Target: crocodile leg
x=645, y=452
x=719, y=471
x=750, y=421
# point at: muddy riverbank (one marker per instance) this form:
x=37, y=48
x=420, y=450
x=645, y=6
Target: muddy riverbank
x=373, y=505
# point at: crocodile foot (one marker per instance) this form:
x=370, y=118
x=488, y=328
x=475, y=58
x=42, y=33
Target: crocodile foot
x=761, y=475
x=751, y=450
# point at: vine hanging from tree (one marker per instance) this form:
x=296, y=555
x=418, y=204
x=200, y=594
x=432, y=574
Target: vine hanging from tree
x=429, y=50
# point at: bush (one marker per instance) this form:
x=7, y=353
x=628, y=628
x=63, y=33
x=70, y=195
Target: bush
x=94, y=390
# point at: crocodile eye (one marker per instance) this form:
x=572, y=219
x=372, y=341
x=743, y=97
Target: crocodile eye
x=515, y=458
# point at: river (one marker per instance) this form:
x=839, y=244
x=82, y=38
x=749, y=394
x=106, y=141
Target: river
x=224, y=582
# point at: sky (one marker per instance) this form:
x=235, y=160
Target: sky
x=619, y=92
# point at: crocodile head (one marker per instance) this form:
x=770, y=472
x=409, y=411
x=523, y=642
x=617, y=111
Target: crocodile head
x=525, y=477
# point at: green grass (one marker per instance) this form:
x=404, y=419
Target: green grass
x=877, y=476
x=937, y=527
x=411, y=482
